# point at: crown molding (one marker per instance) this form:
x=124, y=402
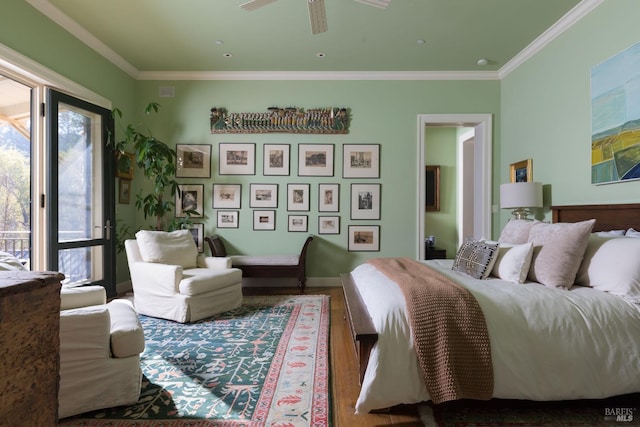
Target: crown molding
x=56, y=15
x=570, y=18
x=318, y=75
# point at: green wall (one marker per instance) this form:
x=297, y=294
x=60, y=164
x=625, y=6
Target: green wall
x=383, y=112
x=541, y=111
x=546, y=108
x=440, y=149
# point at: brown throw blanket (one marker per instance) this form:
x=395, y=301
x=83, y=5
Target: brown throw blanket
x=449, y=331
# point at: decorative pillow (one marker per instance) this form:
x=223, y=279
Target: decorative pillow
x=9, y=262
x=557, y=251
x=516, y=231
x=475, y=258
x=632, y=233
x=513, y=261
x=611, y=265
x=175, y=247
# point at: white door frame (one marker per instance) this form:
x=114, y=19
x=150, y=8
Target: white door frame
x=482, y=170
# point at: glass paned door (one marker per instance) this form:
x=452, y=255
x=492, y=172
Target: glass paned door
x=81, y=199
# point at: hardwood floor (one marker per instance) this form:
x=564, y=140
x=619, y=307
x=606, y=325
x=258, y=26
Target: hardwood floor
x=344, y=371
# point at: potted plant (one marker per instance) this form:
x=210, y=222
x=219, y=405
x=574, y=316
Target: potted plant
x=157, y=161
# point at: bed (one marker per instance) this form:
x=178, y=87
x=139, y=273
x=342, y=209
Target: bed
x=547, y=342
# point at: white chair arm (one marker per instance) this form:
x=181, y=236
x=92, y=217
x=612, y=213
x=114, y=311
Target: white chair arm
x=214, y=263
x=81, y=296
x=155, y=278
x=85, y=334
x=127, y=336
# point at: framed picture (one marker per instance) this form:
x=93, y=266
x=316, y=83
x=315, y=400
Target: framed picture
x=365, y=201
x=197, y=231
x=298, y=223
x=263, y=195
x=228, y=219
x=365, y=238
x=226, y=196
x=122, y=171
x=276, y=159
x=521, y=171
x=432, y=188
x=329, y=197
x=328, y=225
x=124, y=191
x=190, y=201
x=193, y=161
x=298, y=197
x=264, y=220
x=237, y=159
x=361, y=161
x=315, y=159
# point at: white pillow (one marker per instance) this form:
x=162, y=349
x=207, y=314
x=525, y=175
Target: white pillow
x=632, y=233
x=611, y=233
x=516, y=231
x=612, y=265
x=174, y=248
x=10, y=262
x=513, y=261
x=557, y=251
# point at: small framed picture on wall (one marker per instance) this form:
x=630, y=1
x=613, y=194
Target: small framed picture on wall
x=328, y=225
x=298, y=222
x=315, y=159
x=365, y=201
x=193, y=160
x=237, y=159
x=361, y=161
x=228, y=219
x=298, y=197
x=264, y=220
x=190, y=201
x=263, y=195
x=226, y=196
x=365, y=238
x=329, y=197
x=276, y=159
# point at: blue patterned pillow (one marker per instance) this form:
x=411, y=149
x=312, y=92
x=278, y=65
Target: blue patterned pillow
x=476, y=258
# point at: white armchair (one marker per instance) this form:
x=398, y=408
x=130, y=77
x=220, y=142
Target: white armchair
x=100, y=346
x=171, y=281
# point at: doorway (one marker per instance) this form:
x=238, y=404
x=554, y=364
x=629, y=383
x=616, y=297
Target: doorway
x=474, y=220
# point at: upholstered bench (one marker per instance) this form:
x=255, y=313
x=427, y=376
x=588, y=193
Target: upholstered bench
x=265, y=265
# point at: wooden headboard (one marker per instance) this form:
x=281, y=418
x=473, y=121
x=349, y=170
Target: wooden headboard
x=608, y=217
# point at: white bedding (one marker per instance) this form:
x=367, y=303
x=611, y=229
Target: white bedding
x=546, y=343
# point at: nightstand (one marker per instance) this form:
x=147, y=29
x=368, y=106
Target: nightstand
x=434, y=252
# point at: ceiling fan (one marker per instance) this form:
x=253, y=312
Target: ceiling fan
x=317, y=13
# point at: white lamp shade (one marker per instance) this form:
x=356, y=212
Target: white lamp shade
x=521, y=195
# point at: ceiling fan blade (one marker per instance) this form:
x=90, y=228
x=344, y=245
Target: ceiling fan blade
x=255, y=4
x=317, y=16
x=382, y=4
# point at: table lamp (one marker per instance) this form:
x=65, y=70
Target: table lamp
x=519, y=196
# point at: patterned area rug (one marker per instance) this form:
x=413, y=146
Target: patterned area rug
x=263, y=364
x=620, y=411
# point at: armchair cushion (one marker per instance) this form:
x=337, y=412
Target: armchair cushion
x=198, y=281
x=81, y=296
x=175, y=247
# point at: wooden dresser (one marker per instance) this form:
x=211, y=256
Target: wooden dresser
x=29, y=347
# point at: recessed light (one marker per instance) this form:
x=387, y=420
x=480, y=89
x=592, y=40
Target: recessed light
x=321, y=54
x=227, y=55
x=219, y=42
x=420, y=41
x=482, y=61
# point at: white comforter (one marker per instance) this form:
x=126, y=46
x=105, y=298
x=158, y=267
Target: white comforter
x=546, y=344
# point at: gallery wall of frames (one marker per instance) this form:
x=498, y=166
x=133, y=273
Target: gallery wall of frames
x=359, y=162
